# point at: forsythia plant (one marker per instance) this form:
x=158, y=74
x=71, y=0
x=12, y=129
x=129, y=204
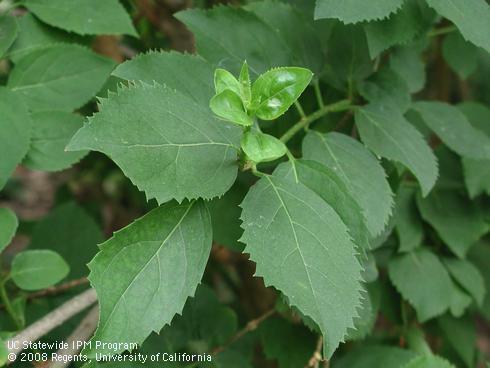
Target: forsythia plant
x=316, y=180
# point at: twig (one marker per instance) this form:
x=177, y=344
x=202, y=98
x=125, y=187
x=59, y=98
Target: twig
x=51, y=320
x=81, y=334
x=55, y=290
x=441, y=31
x=251, y=326
x=305, y=121
x=317, y=357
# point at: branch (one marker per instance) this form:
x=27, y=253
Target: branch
x=317, y=357
x=51, y=320
x=55, y=290
x=251, y=326
x=81, y=334
x=305, y=121
x=51, y=291
x=442, y=31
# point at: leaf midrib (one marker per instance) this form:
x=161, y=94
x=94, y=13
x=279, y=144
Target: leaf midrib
x=291, y=223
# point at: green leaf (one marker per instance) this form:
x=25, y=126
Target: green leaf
x=299, y=242
x=3, y=352
x=299, y=32
x=164, y=142
x=19, y=308
x=350, y=63
x=477, y=172
x=83, y=17
x=450, y=169
x=413, y=18
x=246, y=38
x=407, y=62
x=408, y=223
x=15, y=133
x=144, y=274
x=229, y=106
x=260, y=147
x=245, y=85
x=353, y=11
x=457, y=220
x=468, y=276
x=477, y=176
x=34, y=35
x=8, y=226
x=375, y=356
x=8, y=32
x=477, y=114
x=276, y=90
x=472, y=17
x=224, y=80
x=384, y=238
x=479, y=255
x=38, y=269
x=204, y=320
x=370, y=271
x=461, y=334
x=58, y=229
x=428, y=361
x=454, y=129
x=52, y=130
x=368, y=313
x=416, y=340
x=385, y=131
x=45, y=78
x=359, y=169
x=459, y=301
x=189, y=74
x=386, y=88
x=225, y=212
x=461, y=55
x=288, y=344
x=421, y=267
x=336, y=194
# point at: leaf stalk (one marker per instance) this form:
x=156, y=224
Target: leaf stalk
x=318, y=93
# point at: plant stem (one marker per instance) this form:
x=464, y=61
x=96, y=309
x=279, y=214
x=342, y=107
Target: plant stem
x=317, y=357
x=301, y=112
x=441, y=31
x=249, y=327
x=350, y=88
x=318, y=93
x=306, y=120
x=55, y=290
x=52, y=320
x=8, y=306
x=82, y=333
x=257, y=172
